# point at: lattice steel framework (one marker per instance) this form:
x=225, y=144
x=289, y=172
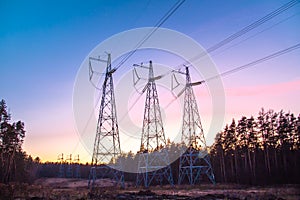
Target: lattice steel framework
x=107, y=141
x=69, y=173
x=194, y=162
x=61, y=171
x=153, y=165
x=77, y=173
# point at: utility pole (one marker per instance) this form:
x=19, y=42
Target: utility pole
x=107, y=149
x=153, y=164
x=194, y=161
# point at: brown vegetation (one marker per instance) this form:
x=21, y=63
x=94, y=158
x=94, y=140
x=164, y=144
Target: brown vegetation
x=72, y=189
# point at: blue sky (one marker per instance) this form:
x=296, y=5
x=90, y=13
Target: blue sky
x=43, y=43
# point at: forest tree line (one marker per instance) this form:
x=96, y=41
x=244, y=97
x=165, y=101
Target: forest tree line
x=262, y=150
x=15, y=164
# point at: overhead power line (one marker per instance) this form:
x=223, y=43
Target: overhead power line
x=166, y=16
x=157, y=25
x=236, y=69
x=162, y=20
x=254, y=35
x=239, y=34
x=217, y=45
x=247, y=29
x=226, y=73
x=228, y=40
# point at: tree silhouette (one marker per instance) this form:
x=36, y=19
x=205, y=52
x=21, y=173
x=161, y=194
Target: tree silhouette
x=11, y=140
x=258, y=151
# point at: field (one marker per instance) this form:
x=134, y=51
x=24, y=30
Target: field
x=72, y=189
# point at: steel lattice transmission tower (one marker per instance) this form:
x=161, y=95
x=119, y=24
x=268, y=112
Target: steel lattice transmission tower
x=69, y=172
x=107, y=149
x=61, y=172
x=153, y=165
x=77, y=167
x=195, y=161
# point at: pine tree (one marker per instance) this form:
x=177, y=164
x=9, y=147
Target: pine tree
x=11, y=140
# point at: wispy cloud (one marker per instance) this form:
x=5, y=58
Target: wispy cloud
x=270, y=89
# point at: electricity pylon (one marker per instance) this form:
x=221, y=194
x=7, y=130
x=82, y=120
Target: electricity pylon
x=195, y=161
x=69, y=173
x=77, y=173
x=61, y=172
x=107, y=149
x=153, y=165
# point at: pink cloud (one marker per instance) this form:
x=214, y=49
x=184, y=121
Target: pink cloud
x=272, y=89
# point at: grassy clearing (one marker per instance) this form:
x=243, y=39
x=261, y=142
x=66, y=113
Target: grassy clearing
x=72, y=189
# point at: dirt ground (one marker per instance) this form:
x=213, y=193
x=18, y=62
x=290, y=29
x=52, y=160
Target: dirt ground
x=74, y=189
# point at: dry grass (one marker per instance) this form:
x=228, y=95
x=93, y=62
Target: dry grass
x=76, y=189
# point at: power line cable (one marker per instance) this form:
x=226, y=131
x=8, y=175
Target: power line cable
x=230, y=38
x=237, y=69
x=274, y=55
x=158, y=24
x=219, y=44
x=246, y=29
x=240, y=33
x=86, y=125
x=254, y=35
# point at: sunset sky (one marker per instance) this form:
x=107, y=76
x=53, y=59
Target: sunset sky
x=44, y=43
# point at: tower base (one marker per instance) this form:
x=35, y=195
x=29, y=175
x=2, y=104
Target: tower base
x=154, y=168
x=194, y=166
x=105, y=171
